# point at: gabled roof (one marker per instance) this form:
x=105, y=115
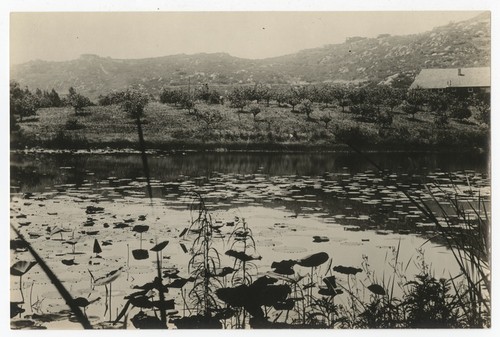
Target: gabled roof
x=454, y=77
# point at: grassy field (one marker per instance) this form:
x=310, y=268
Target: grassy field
x=274, y=128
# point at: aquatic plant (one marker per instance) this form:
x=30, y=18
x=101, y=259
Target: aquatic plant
x=56, y=282
x=104, y=281
x=204, y=263
x=19, y=269
x=140, y=254
x=242, y=249
x=465, y=230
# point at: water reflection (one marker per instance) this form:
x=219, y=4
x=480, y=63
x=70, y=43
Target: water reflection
x=35, y=172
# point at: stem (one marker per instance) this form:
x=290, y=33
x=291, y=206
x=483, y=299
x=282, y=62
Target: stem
x=110, y=301
x=160, y=292
x=21, y=286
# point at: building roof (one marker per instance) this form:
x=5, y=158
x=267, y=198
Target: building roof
x=454, y=77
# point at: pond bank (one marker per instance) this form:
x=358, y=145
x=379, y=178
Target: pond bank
x=179, y=147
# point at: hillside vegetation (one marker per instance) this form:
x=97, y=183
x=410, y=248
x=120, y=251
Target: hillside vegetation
x=219, y=127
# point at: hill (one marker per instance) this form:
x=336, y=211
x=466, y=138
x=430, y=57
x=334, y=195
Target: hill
x=459, y=44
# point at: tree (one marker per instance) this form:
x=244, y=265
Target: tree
x=341, y=94
x=265, y=94
x=325, y=94
x=416, y=97
x=293, y=98
x=211, y=118
x=394, y=98
x=280, y=96
x=114, y=97
x=325, y=118
x=238, y=98
x=133, y=103
x=54, y=99
x=439, y=102
x=254, y=110
x=77, y=101
x=414, y=100
x=409, y=108
x=481, y=102
x=460, y=110
x=22, y=103
x=306, y=107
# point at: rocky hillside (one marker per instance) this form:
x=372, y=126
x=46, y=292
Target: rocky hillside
x=381, y=59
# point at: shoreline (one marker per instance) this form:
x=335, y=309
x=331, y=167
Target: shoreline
x=234, y=148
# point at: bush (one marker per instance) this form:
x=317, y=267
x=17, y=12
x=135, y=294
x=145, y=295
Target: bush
x=306, y=107
x=410, y=109
x=385, y=119
x=63, y=140
x=73, y=124
x=441, y=119
x=254, y=110
x=353, y=135
x=367, y=112
x=460, y=110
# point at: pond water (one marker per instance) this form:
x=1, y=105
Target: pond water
x=361, y=216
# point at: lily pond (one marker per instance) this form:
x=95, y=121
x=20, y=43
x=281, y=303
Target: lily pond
x=89, y=217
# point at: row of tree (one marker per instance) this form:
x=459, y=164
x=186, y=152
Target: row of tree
x=24, y=103
x=371, y=102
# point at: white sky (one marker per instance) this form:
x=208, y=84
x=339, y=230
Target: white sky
x=63, y=36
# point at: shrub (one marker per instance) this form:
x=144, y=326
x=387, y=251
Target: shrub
x=385, y=119
x=73, y=124
x=410, y=109
x=367, y=112
x=306, y=107
x=254, y=110
x=460, y=110
x=353, y=135
x=441, y=119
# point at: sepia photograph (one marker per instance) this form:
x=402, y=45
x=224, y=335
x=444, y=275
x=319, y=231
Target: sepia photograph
x=249, y=169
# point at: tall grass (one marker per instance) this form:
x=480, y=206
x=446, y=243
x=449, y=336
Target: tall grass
x=465, y=230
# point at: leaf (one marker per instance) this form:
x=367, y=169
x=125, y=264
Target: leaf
x=140, y=228
x=347, y=270
x=69, y=262
x=313, y=260
x=376, y=289
x=140, y=254
x=242, y=256
x=183, y=232
x=330, y=282
x=184, y=249
x=178, y=283
x=108, y=278
x=97, y=248
x=21, y=267
x=159, y=246
x=143, y=321
x=15, y=309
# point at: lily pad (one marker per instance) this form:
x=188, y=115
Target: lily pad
x=313, y=260
x=377, y=289
x=159, y=246
x=140, y=254
x=347, y=270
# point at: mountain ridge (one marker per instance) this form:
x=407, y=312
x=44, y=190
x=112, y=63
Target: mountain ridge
x=457, y=44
